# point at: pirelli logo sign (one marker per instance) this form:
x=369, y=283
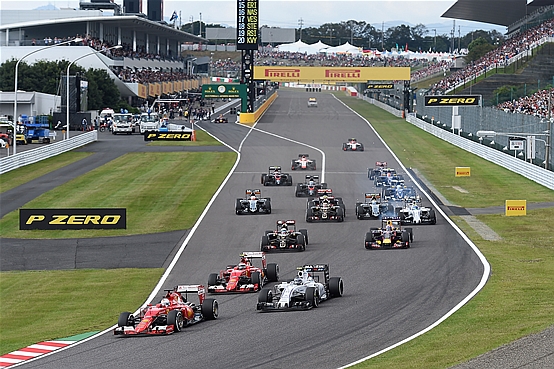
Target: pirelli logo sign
x=463, y=171
x=282, y=73
x=159, y=136
x=516, y=208
x=51, y=219
x=380, y=86
x=453, y=100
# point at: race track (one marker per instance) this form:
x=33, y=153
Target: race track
x=389, y=295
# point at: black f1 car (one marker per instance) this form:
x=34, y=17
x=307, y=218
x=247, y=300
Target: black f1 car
x=325, y=207
x=352, y=145
x=372, y=172
x=274, y=177
x=303, y=162
x=310, y=186
x=391, y=235
x=285, y=237
x=253, y=203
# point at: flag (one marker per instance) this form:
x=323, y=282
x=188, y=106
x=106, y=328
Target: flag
x=173, y=16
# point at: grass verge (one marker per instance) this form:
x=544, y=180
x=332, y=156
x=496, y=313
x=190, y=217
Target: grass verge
x=27, y=173
x=517, y=299
x=155, y=188
x=67, y=302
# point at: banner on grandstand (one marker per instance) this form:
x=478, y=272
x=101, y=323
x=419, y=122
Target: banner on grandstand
x=330, y=74
x=142, y=91
x=247, y=24
x=453, y=100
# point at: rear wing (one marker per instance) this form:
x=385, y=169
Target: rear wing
x=375, y=196
x=253, y=254
x=274, y=168
x=187, y=288
x=325, y=191
x=255, y=192
x=380, y=164
x=287, y=222
x=314, y=268
x=303, y=155
x=312, y=177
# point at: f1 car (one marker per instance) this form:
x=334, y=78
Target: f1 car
x=352, y=145
x=253, y=203
x=372, y=172
x=220, y=119
x=311, y=286
x=325, y=207
x=391, y=235
x=303, y=162
x=285, y=237
x=171, y=314
x=372, y=207
x=395, y=180
x=312, y=102
x=310, y=186
x=400, y=193
x=274, y=177
x=244, y=277
x=382, y=178
x=414, y=213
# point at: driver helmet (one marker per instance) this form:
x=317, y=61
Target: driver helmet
x=165, y=302
x=373, y=202
x=242, y=266
x=252, y=197
x=298, y=281
x=245, y=261
x=284, y=230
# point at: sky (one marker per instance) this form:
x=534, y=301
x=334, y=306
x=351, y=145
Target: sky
x=312, y=13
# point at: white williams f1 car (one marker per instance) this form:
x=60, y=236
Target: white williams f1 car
x=311, y=286
x=414, y=213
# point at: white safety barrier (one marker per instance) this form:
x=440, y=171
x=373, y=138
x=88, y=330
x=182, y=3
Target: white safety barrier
x=45, y=151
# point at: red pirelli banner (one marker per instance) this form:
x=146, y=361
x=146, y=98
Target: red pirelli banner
x=331, y=74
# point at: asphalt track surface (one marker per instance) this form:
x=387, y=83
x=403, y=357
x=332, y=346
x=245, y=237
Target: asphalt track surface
x=389, y=295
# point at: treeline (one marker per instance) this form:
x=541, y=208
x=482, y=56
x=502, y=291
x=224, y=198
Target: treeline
x=45, y=76
x=367, y=36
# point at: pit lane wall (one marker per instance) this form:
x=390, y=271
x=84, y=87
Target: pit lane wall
x=250, y=118
x=45, y=151
x=535, y=173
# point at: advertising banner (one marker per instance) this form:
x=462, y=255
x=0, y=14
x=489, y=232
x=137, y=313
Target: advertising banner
x=50, y=219
x=330, y=74
x=453, y=100
x=463, y=171
x=516, y=207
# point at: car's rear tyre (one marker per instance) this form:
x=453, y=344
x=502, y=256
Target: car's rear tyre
x=212, y=279
x=257, y=279
x=263, y=179
x=238, y=207
x=265, y=295
x=289, y=181
x=305, y=234
x=298, y=191
x=336, y=286
x=264, y=243
x=176, y=319
x=311, y=296
x=361, y=147
x=411, y=233
x=309, y=215
x=126, y=319
x=340, y=214
x=406, y=239
x=433, y=216
x=268, y=206
x=210, y=309
x=324, y=186
x=272, y=272
x=300, y=241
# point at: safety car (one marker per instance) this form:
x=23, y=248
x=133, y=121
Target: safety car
x=253, y=203
x=173, y=313
x=326, y=207
x=303, y=162
x=372, y=207
x=244, y=276
x=275, y=177
x=312, y=101
x=372, y=172
x=391, y=235
x=414, y=213
x=285, y=237
x=311, y=286
x=310, y=186
x=352, y=145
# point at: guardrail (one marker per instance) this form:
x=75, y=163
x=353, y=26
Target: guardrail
x=46, y=151
x=536, y=174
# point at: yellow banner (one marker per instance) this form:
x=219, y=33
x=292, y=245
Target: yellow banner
x=331, y=74
x=516, y=207
x=463, y=171
x=142, y=91
x=151, y=90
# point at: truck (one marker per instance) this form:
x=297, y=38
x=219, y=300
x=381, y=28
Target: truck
x=149, y=122
x=37, y=133
x=122, y=123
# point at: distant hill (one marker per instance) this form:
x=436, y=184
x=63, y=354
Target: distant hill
x=46, y=7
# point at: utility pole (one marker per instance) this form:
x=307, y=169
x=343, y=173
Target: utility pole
x=435, y=40
x=200, y=25
x=452, y=36
x=382, y=36
x=300, y=24
x=191, y=19
x=459, y=39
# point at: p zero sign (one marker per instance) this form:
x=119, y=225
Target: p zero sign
x=247, y=24
x=453, y=100
x=167, y=136
x=380, y=86
x=51, y=219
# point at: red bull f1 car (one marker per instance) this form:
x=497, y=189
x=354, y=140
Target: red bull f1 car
x=275, y=177
x=285, y=237
x=391, y=235
x=173, y=313
x=303, y=162
x=244, y=277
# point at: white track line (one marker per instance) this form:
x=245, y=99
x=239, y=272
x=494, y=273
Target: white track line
x=486, y=265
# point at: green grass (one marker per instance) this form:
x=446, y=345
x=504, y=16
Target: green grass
x=47, y=305
x=27, y=173
x=155, y=188
x=518, y=298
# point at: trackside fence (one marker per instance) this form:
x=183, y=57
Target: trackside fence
x=533, y=172
x=46, y=151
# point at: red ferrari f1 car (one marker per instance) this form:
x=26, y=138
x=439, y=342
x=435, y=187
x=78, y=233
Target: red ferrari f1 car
x=171, y=314
x=244, y=277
